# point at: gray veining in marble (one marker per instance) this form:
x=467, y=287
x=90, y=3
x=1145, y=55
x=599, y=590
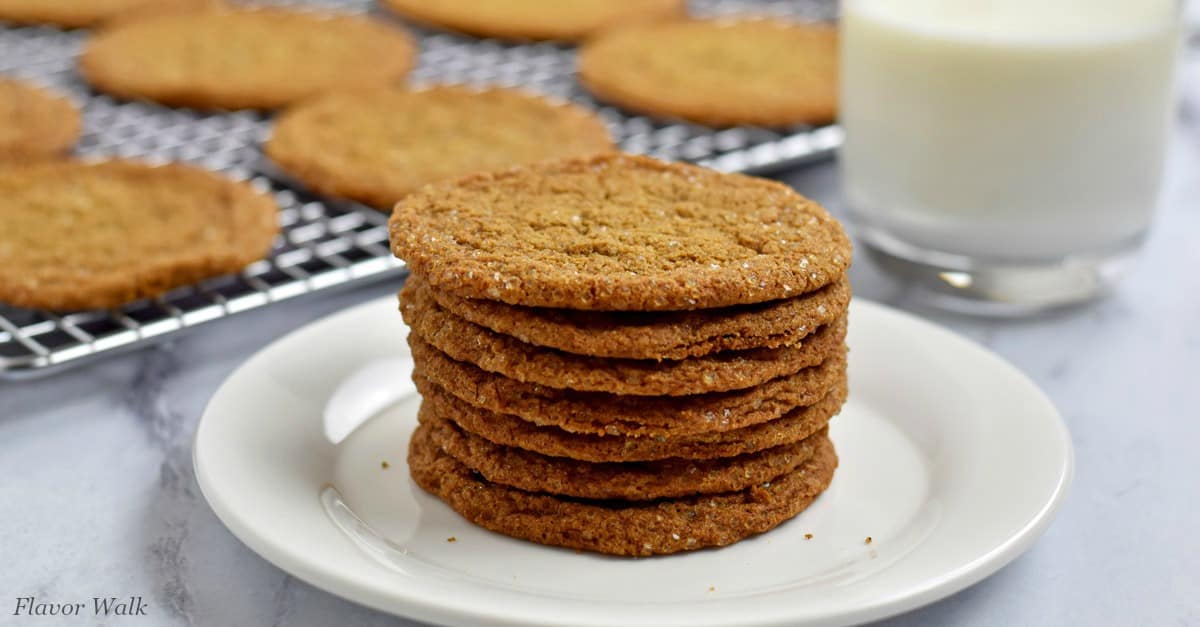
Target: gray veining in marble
x=99, y=499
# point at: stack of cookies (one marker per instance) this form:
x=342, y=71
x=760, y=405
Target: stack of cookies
x=622, y=355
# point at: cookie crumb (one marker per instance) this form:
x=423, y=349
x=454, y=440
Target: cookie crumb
x=452, y=539
x=808, y=536
x=384, y=465
x=868, y=540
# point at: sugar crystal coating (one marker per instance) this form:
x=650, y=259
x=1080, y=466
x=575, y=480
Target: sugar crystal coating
x=648, y=238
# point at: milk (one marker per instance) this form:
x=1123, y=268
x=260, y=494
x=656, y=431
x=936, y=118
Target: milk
x=1006, y=129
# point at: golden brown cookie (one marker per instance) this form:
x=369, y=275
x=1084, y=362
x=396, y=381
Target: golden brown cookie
x=85, y=13
x=508, y=430
x=244, y=59
x=506, y=355
x=762, y=72
x=92, y=235
x=376, y=146
x=654, y=335
x=598, y=413
x=535, y=19
x=618, y=232
x=635, y=481
x=34, y=123
x=157, y=8
x=654, y=528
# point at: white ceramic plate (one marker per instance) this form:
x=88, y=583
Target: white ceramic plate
x=952, y=461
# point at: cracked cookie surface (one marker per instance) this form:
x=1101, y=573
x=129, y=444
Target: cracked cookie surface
x=618, y=232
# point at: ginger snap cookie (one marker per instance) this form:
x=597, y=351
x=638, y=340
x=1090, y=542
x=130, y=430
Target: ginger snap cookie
x=654, y=335
x=86, y=13
x=603, y=414
x=157, y=8
x=241, y=59
x=35, y=123
x=668, y=478
x=618, y=232
x=763, y=72
x=535, y=19
x=508, y=430
x=92, y=235
x=647, y=528
x=376, y=146
x=506, y=355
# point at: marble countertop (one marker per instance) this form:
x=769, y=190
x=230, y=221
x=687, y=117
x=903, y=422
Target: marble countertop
x=100, y=500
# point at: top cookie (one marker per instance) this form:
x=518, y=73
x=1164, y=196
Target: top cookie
x=376, y=146
x=34, y=123
x=717, y=72
x=82, y=14
x=618, y=232
x=258, y=59
x=535, y=19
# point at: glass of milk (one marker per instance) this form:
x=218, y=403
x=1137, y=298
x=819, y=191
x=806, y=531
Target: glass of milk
x=1005, y=155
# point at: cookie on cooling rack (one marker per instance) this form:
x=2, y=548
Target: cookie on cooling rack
x=245, y=59
x=77, y=235
x=86, y=13
x=376, y=146
x=535, y=19
x=34, y=123
x=763, y=72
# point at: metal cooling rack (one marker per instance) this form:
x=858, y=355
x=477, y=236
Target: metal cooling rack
x=325, y=244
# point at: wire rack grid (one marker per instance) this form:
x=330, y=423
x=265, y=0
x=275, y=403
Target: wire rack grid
x=325, y=244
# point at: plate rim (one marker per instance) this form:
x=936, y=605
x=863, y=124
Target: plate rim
x=412, y=605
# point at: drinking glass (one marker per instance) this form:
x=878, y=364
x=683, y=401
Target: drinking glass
x=1005, y=156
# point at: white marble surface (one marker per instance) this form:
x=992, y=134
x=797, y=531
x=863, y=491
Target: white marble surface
x=99, y=498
